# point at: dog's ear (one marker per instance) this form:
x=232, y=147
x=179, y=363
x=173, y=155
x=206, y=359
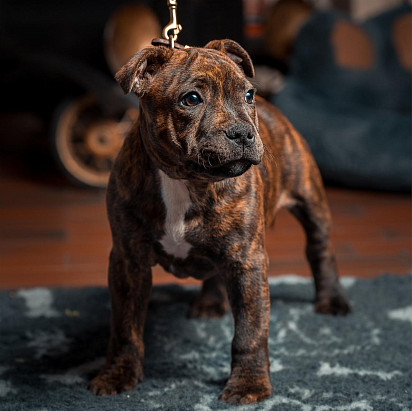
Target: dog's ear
x=235, y=52
x=139, y=71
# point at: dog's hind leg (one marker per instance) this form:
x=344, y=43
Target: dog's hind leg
x=311, y=209
x=212, y=302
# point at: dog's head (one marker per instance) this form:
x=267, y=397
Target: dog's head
x=198, y=116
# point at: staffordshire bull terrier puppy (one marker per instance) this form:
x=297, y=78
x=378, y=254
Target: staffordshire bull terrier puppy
x=199, y=177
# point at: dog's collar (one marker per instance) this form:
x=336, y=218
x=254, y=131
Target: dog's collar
x=166, y=43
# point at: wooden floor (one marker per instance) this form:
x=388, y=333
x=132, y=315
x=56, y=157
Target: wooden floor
x=58, y=235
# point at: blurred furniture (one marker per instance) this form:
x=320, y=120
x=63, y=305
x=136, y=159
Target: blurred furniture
x=130, y=28
x=349, y=94
x=85, y=137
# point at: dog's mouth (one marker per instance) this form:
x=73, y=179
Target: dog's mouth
x=232, y=168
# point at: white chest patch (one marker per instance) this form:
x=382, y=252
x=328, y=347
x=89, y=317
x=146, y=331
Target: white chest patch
x=176, y=198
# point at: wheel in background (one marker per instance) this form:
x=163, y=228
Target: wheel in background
x=85, y=142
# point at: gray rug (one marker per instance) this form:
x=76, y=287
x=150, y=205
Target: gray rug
x=53, y=340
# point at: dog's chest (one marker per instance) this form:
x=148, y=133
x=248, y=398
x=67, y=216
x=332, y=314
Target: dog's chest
x=177, y=202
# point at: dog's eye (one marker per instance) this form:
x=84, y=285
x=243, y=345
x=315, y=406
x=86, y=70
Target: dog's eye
x=250, y=97
x=191, y=99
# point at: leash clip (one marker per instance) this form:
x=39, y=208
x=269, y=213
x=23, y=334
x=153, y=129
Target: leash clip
x=172, y=26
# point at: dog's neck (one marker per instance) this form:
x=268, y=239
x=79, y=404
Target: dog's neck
x=200, y=191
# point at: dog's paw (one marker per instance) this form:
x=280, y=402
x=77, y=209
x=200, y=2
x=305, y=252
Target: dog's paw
x=204, y=307
x=336, y=304
x=240, y=391
x=114, y=380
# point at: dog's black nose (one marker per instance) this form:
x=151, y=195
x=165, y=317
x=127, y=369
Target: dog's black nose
x=240, y=135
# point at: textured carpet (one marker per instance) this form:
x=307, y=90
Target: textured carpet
x=53, y=340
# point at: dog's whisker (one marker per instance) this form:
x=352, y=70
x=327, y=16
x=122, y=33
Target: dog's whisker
x=267, y=151
x=201, y=159
x=269, y=155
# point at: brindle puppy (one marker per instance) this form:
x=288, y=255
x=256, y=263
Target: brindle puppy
x=192, y=190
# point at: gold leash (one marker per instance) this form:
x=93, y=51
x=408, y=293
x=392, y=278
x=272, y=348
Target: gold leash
x=172, y=26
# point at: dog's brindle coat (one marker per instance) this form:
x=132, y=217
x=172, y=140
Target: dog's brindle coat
x=193, y=191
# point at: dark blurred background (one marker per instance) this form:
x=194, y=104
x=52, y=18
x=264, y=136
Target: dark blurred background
x=339, y=69
x=52, y=53
x=35, y=33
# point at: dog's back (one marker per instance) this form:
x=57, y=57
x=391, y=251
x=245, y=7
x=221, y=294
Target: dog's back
x=288, y=168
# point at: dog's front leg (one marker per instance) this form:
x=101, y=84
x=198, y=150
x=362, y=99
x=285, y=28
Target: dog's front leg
x=248, y=292
x=130, y=283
